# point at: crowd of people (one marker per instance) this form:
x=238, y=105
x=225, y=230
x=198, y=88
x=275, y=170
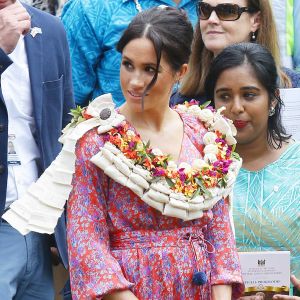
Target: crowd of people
x=155, y=190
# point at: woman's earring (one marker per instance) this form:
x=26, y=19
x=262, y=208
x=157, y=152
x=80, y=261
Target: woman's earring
x=253, y=36
x=271, y=111
x=176, y=87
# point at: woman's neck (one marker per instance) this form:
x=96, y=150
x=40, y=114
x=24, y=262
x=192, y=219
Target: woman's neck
x=258, y=155
x=162, y=127
x=152, y=119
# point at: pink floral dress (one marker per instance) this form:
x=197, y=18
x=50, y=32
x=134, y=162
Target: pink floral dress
x=117, y=242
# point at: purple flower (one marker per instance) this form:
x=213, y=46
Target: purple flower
x=212, y=173
x=106, y=137
x=182, y=175
x=228, y=152
x=194, y=102
x=131, y=145
x=158, y=172
x=220, y=140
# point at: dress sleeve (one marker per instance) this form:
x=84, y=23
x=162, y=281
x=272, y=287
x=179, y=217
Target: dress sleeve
x=225, y=265
x=94, y=272
x=85, y=32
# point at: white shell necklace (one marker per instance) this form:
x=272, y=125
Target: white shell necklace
x=138, y=5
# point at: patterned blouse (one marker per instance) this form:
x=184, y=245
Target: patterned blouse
x=116, y=241
x=266, y=207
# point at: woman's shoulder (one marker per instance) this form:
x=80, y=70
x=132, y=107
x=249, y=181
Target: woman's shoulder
x=292, y=152
x=294, y=76
x=89, y=124
x=191, y=121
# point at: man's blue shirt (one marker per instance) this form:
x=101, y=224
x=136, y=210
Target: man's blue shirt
x=93, y=28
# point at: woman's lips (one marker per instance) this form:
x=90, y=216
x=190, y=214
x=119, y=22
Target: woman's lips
x=240, y=124
x=135, y=95
x=212, y=32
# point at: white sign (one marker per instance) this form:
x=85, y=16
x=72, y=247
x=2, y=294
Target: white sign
x=291, y=111
x=266, y=273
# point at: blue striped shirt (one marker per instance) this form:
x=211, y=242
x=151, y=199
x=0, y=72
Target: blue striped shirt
x=93, y=28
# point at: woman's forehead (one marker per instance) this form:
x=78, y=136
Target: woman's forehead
x=216, y=2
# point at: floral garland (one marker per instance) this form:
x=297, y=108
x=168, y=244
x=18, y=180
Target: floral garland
x=215, y=170
x=183, y=191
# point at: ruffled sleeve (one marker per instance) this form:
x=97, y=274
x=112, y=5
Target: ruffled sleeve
x=94, y=272
x=225, y=265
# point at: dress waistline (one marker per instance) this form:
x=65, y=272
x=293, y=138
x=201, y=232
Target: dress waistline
x=179, y=237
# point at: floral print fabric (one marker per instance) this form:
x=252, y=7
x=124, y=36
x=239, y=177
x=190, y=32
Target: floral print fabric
x=116, y=241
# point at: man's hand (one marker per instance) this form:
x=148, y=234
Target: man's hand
x=296, y=283
x=14, y=21
x=258, y=296
x=54, y=256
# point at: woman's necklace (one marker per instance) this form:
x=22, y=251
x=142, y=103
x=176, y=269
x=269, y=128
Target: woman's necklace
x=138, y=5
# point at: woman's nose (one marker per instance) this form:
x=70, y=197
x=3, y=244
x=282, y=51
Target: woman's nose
x=237, y=106
x=213, y=18
x=137, y=80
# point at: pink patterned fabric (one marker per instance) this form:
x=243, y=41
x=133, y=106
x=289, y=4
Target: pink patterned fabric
x=116, y=241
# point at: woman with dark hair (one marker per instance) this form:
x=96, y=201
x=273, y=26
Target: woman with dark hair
x=243, y=79
x=140, y=224
x=147, y=186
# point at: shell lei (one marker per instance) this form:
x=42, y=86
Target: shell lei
x=182, y=191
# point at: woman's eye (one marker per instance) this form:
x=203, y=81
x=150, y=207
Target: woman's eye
x=224, y=97
x=150, y=69
x=127, y=65
x=249, y=96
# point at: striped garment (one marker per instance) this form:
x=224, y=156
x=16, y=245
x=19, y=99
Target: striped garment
x=266, y=207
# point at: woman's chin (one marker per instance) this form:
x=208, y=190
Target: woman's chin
x=215, y=47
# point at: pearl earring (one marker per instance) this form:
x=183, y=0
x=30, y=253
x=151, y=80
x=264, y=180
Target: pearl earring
x=271, y=111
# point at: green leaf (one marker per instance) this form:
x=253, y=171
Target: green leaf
x=235, y=155
x=222, y=182
x=147, y=145
x=170, y=182
x=202, y=187
x=197, y=193
x=205, y=104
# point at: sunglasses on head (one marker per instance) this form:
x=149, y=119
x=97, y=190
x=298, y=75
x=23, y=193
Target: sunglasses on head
x=224, y=11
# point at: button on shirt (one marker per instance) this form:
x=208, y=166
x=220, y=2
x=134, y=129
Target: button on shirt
x=17, y=96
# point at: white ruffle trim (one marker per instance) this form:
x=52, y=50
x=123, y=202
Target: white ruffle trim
x=43, y=203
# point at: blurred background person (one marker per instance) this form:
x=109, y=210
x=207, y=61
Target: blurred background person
x=287, y=16
x=94, y=28
x=35, y=98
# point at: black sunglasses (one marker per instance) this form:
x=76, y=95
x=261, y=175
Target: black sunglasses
x=225, y=11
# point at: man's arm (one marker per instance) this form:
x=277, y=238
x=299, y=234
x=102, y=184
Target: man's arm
x=85, y=23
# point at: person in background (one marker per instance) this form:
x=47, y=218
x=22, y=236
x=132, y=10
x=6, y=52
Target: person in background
x=221, y=24
x=287, y=15
x=122, y=244
x=243, y=79
x=93, y=29
x=35, y=98
x=296, y=55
